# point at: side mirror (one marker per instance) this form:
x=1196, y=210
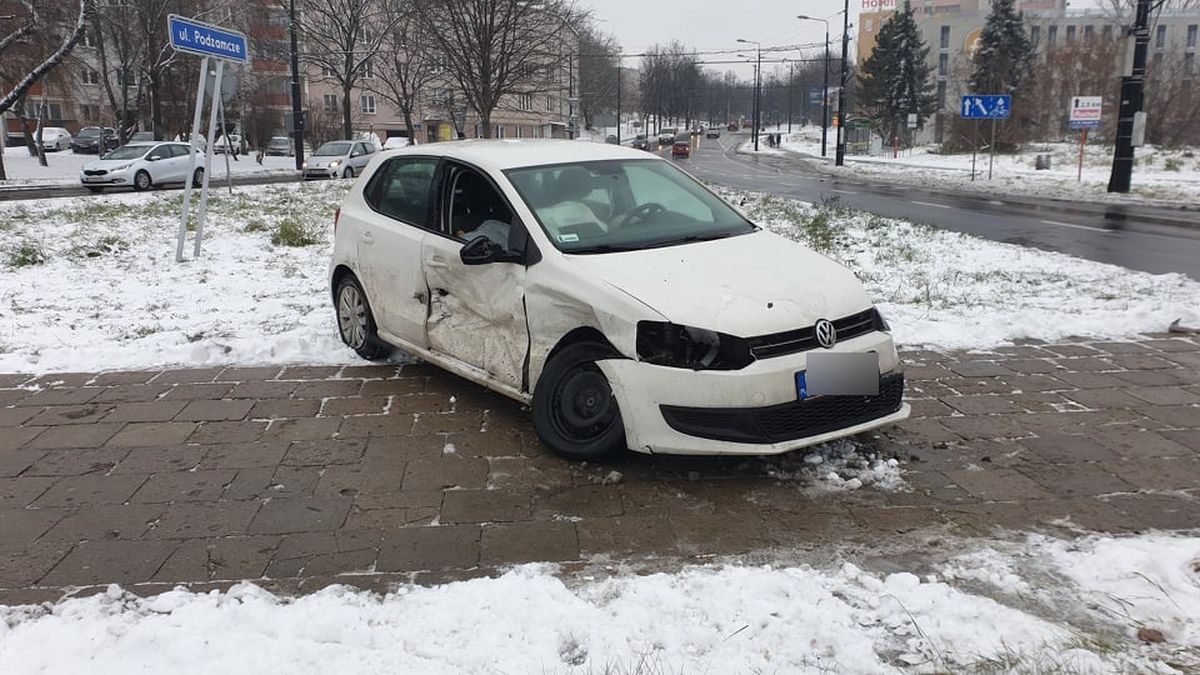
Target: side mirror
x=153, y=158
x=480, y=250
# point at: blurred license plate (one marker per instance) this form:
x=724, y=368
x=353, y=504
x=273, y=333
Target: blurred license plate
x=92, y=179
x=838, y=374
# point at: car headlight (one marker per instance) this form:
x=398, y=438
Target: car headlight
x=121, y=167
x=304, y=164
x=881, y=323
x=669, y=344
x=335, y=163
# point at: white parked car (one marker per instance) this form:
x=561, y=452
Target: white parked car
x=141, y=166
x=394, y=142
x=339, y=158
x=234, y=141
x=625, y=302
x=55, y=138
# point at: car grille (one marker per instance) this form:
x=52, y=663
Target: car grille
x=804, y=339
x=95, y=172
x=787, y=421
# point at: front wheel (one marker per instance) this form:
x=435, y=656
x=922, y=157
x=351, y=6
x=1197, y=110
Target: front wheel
x=141, y=181
x=356, y=324
x=348, y=173
x=574, y=410
x=198, y=178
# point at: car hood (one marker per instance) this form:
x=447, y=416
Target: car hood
x=109, y=163
x=747, y=285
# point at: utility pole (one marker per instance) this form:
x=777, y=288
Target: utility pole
x=1133, y=82
x=757, y=87
x=840, y=155
x=791, y=82
x=618, y=98
x=825, y=91
x=297, y=115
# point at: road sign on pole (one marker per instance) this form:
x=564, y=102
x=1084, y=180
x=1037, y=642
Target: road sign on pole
x=210, y=42
x=205, y=39
x=985, y=107
x=1085, y=112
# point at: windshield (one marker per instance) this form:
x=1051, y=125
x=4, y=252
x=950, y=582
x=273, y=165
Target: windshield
x=89, y=133
x=332, y=149
x=128, y=152
x=622, y=205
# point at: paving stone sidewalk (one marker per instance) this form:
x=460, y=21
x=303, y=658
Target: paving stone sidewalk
x=303, y=476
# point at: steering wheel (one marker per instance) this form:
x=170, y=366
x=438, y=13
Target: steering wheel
x=642, y=213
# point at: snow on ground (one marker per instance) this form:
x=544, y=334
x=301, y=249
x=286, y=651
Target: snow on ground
x=949, y=290
x=91, y=284
x=64, y=167
x=1160, y=174
x=714, y=618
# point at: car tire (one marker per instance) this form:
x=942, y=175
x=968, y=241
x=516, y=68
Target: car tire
x=356, y=323
x=574, y=410
x=94, y=189
x=348, y=173
x=141, y=181
x=198, y=178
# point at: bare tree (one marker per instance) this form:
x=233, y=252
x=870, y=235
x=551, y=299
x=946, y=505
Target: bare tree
x=599, y=67
x=408, y=61
x=28, y=32
x=499, y=48
x=341, y=39
x=118, y=49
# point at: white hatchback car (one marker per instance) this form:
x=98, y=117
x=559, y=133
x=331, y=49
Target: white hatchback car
x=628, y=304
x=141, y=166
x=55, y=138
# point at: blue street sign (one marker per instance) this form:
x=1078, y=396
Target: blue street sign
x=985, y=107
x=1084, y=124
x=207, y=40
x=814, y=95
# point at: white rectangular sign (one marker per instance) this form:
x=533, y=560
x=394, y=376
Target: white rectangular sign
x=1086, y=108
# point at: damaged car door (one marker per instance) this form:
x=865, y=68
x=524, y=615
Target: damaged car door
x=475, y=270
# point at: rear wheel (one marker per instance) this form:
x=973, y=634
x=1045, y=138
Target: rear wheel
x=141, y=181
x=574, y=410
x=356, y=324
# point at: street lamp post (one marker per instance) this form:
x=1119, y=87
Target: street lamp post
x=297, y=115
x=791, y=82
x=825, y=92
x=840, y=155
x=757, y=86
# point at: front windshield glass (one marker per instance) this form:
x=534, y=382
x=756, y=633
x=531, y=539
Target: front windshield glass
x=621, y=205
x=128, y=152
x=332, y=149
x=89, y=133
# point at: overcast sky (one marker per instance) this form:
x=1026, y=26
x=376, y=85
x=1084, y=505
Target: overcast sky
x=708, y=25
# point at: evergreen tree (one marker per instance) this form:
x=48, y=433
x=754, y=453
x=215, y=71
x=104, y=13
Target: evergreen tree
x=896, y=79
x=1004, y=60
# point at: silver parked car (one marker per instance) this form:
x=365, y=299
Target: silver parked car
x=339, y=158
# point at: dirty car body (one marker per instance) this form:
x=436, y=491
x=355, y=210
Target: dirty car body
x=628, y=304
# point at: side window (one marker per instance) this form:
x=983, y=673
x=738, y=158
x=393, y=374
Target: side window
x=179, y=150
x=476, y=208
x=159, y=151
x=400, y=190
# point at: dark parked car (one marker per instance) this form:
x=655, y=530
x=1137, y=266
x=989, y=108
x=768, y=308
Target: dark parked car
x=142, y=137
x=640, y=143
x=611, y=140
x=95, y=140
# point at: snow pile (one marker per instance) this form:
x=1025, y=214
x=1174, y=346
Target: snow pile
x=837, y=466
x=1151, y=581
x=951, y=290
x=988, y=567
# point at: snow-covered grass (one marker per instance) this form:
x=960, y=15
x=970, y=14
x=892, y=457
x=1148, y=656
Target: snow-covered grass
x=1160, y=174
x=63, y=167
x=949, y=290
x=92, y=284
x=726, y=618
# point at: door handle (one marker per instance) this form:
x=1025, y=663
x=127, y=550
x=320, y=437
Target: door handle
x=437, y=261
x=367, y=237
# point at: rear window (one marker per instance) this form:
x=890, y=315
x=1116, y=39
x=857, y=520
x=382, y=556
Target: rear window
x=400, y=189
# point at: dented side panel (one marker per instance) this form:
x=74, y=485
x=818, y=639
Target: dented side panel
x=476, y=313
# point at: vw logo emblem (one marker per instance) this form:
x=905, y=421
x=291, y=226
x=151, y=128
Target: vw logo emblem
x=826, y=333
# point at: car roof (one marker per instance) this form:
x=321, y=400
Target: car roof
x=498, y=155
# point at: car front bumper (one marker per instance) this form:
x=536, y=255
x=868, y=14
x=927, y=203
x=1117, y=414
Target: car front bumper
x=680, y=411
x=106, y=179
x=322, y=172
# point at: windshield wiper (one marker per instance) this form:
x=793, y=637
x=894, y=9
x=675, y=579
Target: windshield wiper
x=605, y=248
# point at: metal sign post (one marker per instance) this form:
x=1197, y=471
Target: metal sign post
x=210, y=42
x=985, y=107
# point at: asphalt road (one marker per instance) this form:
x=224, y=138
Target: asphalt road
x=1135, y=237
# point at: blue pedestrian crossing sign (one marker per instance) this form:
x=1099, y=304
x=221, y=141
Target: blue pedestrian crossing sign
x=986, y=107
x=195, y=37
